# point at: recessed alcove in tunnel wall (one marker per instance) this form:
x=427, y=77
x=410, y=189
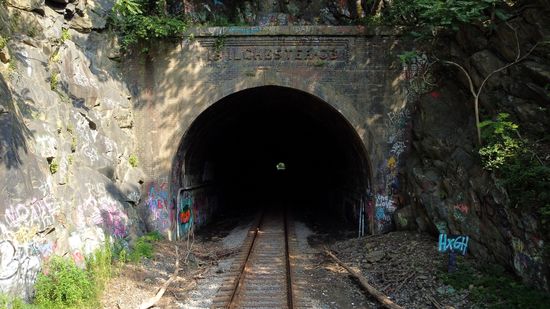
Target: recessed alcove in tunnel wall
x=270, y=146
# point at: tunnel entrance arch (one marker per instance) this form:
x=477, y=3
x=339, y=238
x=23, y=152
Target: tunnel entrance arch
x=270, y=145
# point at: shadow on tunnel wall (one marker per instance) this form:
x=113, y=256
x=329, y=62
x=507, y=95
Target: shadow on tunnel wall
x=163, y=77
x=176, y=84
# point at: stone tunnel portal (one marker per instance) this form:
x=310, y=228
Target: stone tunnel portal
x=271, y=146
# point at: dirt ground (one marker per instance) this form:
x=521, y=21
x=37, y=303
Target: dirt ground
x=400, y=264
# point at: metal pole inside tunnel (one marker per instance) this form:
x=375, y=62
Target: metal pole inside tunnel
x=177, y=213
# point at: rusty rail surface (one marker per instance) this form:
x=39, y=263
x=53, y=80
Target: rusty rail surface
x=262, y=275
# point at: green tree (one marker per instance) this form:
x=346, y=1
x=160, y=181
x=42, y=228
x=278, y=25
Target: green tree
x=142, y=21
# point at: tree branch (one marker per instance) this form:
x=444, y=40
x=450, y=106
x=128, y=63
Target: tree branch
x=153, y=300
x=383, y=299
x=518, y=59
x=477, y=92
x=470, y=83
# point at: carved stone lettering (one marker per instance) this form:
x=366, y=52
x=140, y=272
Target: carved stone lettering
x=276, y=51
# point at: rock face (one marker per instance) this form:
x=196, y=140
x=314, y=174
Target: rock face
x=65, y=139
x=269, y=12
x=66, y=134
x=28, y=5
x=444, y=173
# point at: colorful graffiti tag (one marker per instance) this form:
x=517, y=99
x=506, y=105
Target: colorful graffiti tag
x=159, y=206
x=387, y=195
x=185, y=217
x=102, y=210
x=115, y=222
x=194, y=208
x=456, y=243
x=384, y=208
x=461, y=211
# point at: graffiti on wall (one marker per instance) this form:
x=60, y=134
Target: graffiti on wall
x=27, y=234
x=100, y=209
x=417, y=76
x=159, y=206
x=384, y=208
x=194, y=209
x=18, y=268
x=398, y=130
x=23, y=222
x=460, y=211
x=456, y=243
x=22, y=242
x=185, y=218
x=104, y=213
x=527, y=262
x=387, y=198
x=38, y=213
x=114, y=221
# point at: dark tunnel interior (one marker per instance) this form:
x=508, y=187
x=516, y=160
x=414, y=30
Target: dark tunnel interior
x=277, y=147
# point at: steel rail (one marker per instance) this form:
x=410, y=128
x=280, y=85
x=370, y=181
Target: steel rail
x=242, y=288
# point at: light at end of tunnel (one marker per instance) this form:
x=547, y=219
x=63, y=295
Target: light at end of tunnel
x=281, y=166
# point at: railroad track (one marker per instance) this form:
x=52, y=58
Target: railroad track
x=263, y=274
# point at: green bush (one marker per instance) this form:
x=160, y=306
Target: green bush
x=99, y=266
x=65, y=35
x=3, y=42
x=143, y=248
x=429, y=17
x=133, y=160
x=528, y=184
x=494, y=288
x=120, y=251
x=64, y=285
x=139, y=22
x=9, y=302
x=502, y=142
x=54, y=166
x=54, y=80
x=526, y=179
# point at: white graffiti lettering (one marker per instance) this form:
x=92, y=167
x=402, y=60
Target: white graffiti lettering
x=38, y=212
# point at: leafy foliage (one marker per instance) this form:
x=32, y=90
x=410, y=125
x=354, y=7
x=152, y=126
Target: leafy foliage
x=3, y=42
x=65, y=35
x=54, y=166
x=64, y=285
x=141, y=21
x=74, y=143
x=528, y=184
x=127, y=7
x=493, y=288
x=99, y=265
x=502, y=142
x=526, y=179
x=54, y=80
x=143, y=247
x=133, y=160
x=433, y=16
x=408, y=56
x=8, y=302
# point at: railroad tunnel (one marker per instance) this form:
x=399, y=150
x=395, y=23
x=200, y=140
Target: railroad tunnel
x=271, y=146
